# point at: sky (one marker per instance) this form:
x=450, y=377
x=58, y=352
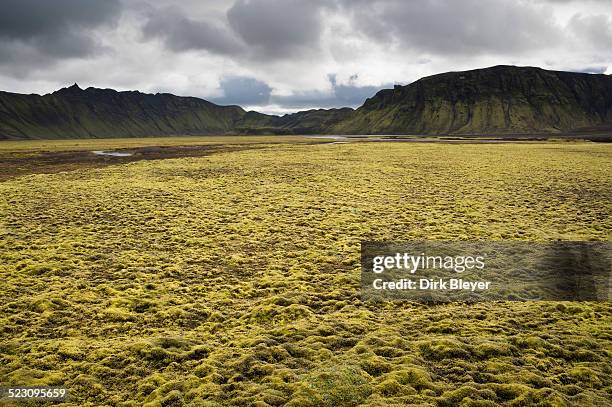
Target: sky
x=281, y=56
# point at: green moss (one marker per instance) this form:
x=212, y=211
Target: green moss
x=585, y=376
x=509, y=391
x=444, y=348
x=341, y=386
x=415, y=377
x=393, y=388
x=487, y=350
x=234, y=278
x=462, y=394
x=375, y=366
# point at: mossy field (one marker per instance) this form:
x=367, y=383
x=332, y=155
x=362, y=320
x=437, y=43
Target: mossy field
x=233, y=278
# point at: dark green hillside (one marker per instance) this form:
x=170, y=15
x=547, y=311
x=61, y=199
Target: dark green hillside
x=315, y=121
x=76, y=113
x=497, y=100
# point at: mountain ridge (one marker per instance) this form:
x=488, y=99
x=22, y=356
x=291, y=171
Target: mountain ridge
x=499, y=100
x=73, y=112
x=502, y=99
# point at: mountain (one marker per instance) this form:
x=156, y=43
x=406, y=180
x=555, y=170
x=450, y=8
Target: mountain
x=82, y=113
x=315, y=121
x=496, y=100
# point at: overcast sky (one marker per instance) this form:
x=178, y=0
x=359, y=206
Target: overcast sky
x=279, y=56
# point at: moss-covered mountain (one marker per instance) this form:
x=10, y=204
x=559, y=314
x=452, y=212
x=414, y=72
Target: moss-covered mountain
x=496, y=100
x=315, y=121
x=82, y=113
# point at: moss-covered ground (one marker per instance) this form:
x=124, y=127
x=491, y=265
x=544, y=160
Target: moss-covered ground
x=233, y=278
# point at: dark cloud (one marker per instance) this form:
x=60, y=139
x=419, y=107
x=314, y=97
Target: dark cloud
x=251, y=29
x=353, y=95
x=57, y=28
x=247, y=91
x=181, y=33
x=239, y=90
x=277, y=28
x=341, y=95
x=455, y=27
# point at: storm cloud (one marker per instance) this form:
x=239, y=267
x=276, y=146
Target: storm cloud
x=249, y=92
x=456, y=27
x=287, y=55
x=60, y=28
x=239, y=90
x=277, y=28
x=181, y=33
x=338, y=95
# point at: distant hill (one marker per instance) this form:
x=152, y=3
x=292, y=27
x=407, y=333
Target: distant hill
x=315, y=121
x=496, y=100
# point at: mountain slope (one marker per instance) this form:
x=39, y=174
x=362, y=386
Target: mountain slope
x=315, y=121
x=496, y=100
x=76, y=113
